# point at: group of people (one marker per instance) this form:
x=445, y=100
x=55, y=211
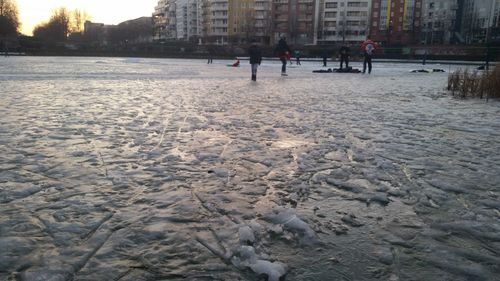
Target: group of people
x=283, y=52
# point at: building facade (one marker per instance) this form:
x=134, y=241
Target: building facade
x=188, y=19
x=344, y=21
x=160, y=20
x=439, y=22
x=480, y=18
x=216, y=20
x=241, y=20
x=396, y=21
x=263, y=21
x=297, y=20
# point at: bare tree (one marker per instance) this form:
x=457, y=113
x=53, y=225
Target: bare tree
x=78, y=19
x=58, y=27
x=9, y=18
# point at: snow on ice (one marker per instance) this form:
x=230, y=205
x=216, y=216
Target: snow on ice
x=142, y=169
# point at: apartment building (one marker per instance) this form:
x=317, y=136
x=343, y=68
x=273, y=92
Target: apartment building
x=216, y=22
x=188, y=14
x=344, y=21
x=236, y=21
x=263, y=21
x=241, y=20
x=171, y=15
x=396, y=21
x=297, y=20
x=439, y=21
x=160, y=20
x=480, y=17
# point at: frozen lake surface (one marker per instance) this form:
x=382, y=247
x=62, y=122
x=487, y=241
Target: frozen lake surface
x=160, y=169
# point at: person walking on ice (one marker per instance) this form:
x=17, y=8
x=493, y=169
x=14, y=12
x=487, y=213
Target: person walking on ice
x=345, y=52
x=283, y=52
x=255, y=54
x=324, y=55
x=368, y=47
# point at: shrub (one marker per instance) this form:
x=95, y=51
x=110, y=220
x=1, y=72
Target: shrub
x=473, y=84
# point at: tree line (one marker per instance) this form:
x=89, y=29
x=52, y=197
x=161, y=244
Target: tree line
x=61, y=23
x=9, y=18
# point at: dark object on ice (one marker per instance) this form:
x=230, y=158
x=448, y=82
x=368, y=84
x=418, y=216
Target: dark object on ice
x=346, y=70
x=482, y=67
x=338, y=70
x=323, y=71
x=427, y=70
x=351, y=220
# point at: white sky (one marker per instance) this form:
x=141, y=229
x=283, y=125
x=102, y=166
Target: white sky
x=32, y=12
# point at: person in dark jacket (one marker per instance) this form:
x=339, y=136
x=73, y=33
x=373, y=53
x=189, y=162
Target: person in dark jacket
x=325, y=57
x=368, y=47
x=283, y=52
x=344, y=52
x=255, y=54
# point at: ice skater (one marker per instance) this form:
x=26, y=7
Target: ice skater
x=368, y=47
x=297, y=57
x=283, y=52
x=255, y=54
x=344, y=52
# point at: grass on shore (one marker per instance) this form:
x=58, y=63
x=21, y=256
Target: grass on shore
x=466, y=84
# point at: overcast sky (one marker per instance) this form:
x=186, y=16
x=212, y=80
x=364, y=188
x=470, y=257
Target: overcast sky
x=33, y=12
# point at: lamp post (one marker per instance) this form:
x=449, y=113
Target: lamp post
x=488, y=33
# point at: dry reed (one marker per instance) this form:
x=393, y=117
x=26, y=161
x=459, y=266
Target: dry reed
x=466, y=84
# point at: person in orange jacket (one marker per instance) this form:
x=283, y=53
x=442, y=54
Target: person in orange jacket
x=368, y=48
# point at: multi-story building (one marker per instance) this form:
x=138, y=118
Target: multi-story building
x=263, y=21
x=97, y=33
x=396, y=21
x=241, y=21
x=296, y=20
x=160, y=20
x=188, y=19
x=178, y=19
x=171, y=15
x=344, y=21
x=479, y=18
x=439, y=21
x=216, y=21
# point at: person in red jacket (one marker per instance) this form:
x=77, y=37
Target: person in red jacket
x=368, y=48
x=237, y=63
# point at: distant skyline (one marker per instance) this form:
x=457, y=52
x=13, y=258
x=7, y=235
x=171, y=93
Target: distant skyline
x=33, y=12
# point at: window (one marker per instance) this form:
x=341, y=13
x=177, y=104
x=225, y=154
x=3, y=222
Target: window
x=331, y=5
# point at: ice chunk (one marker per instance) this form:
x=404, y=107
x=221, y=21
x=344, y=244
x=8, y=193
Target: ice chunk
x=273, y=270
x=291, y=222
x=246, y=257
x=246, y=235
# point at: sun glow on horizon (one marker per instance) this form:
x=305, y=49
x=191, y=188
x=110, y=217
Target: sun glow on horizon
x=34, y=12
